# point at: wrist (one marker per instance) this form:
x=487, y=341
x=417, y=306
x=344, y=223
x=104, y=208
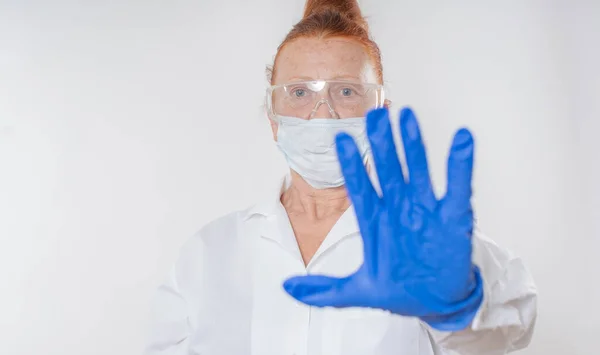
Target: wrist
x=460, y=315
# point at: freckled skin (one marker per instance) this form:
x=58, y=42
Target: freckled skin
x=314, y=59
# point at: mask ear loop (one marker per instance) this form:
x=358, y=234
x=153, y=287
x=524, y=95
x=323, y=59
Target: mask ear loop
x=332, y=112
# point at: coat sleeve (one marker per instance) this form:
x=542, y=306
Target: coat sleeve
x=506, y=318
x=169, y=326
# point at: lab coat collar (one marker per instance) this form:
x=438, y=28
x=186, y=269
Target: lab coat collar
x=275, y=225
x=269, y=206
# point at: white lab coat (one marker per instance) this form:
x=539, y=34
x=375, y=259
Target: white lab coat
x=224, y=295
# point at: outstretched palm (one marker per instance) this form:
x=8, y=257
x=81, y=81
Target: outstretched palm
x=417, y=249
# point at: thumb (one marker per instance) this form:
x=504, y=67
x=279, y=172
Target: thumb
x=319, y=291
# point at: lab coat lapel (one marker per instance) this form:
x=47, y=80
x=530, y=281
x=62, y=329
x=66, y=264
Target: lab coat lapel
x=346, y=226
x=275, y=225
x=272, y=220
x=278, y=229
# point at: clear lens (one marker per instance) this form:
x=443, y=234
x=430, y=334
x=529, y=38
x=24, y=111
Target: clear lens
x=324, y=99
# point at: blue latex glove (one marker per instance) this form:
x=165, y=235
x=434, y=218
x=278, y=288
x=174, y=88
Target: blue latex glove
x=417, y=249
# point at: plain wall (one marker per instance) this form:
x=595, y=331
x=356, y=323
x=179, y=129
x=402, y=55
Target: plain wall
x=125, y=126
x=583, y=49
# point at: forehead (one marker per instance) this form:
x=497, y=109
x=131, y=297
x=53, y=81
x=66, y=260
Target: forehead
x=332, y=58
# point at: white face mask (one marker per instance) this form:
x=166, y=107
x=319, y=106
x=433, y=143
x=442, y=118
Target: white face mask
x=309, y=147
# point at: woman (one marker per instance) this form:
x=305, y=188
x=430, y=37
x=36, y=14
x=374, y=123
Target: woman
x=350, y=260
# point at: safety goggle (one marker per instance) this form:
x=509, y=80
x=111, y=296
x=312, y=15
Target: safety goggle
x=324, y=99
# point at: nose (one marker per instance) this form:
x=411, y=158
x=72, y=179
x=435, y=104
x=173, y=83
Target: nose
x=323, y=109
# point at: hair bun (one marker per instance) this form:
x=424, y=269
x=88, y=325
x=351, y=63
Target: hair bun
x=346, y=8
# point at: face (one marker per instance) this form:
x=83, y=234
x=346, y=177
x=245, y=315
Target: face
x=307, y=59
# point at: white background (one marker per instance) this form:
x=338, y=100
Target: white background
x=127, y=125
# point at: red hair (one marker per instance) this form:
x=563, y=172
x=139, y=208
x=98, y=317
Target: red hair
x=333, y=18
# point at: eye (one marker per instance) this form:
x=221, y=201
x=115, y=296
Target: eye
x=347, y=91
x=299, y=92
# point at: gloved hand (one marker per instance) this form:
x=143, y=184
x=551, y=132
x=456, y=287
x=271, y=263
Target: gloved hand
x=417, y=249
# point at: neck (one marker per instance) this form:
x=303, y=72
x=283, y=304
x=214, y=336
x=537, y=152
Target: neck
x=300, y=197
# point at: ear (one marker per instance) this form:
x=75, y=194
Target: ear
x=271, y=122
x=273, y=128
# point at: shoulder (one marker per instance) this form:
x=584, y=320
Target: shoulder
x=218, y=234
x=499, y=264
x=215, y=246
x=219, y=230
x=486, y=249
